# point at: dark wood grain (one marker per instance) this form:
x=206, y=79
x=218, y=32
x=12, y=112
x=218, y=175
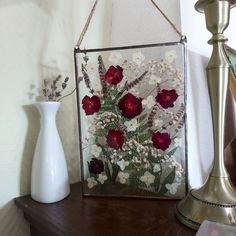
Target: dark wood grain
x=93, y=216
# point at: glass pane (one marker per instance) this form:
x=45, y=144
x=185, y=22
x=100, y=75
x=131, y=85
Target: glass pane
x=131, y=104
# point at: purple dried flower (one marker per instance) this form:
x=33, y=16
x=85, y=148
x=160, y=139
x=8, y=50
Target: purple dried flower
x=63, y=85
x=58, y=94
x=58, y=78
x=135, y=82
x=87, y=79
x=51, y=91
x=102, y=72
x=151, y=115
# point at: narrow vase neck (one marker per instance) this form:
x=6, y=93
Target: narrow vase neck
x=47, y=110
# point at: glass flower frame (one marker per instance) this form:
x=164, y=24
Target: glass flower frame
x=132, y=120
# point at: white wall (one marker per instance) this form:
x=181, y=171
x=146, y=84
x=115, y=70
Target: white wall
x=138, y=22
x=200, y=140
x=27, y=42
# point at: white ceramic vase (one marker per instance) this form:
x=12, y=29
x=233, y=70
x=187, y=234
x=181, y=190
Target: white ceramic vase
x=49, y=176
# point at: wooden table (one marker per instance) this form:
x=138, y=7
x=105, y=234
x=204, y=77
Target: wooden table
x=89, y=216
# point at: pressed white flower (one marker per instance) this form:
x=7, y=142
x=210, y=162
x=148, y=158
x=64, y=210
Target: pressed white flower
x=134, y=91
x=178, y=142
x=154, y=80
x=138, y=58
x=85, y=142
x=102, y=178
x=91, y=182
x=172, y=187
x=123, y=177
x=178, y=174
x=96, y=150
x=92, y=129
x=149, y=102
x=96, y=85
x=170, y=56
x=91, y=68
x=122, y=164
x=115, y=57
x=147, y=178
x=131, y=125
x=158, y=122
x=156, y=168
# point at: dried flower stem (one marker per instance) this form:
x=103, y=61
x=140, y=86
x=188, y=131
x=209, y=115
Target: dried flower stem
x=87, y=79
x=152, y=114
x=102, y=71
x=135, y=82
x=67, y=94
x=177, y=120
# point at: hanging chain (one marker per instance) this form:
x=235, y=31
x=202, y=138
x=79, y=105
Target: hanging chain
x=87, y=24
x=168, y=20
x=94, y=8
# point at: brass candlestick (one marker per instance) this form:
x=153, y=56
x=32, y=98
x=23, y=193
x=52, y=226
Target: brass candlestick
x=216, y=199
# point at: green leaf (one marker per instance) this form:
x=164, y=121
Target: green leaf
x=142, y=128
x=107, y=170
x=108, y=103
x=142, y=118
x=157, y=183
x=153, y=159
x=113, y=126
x=143, y=137
x=172, y=152
x=115, y=171
x=130, y=134
x=100, y=132
x=168, y=180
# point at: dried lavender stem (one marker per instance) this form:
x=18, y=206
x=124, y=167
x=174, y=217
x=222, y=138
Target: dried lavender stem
x=102, y=71
x=135, y=82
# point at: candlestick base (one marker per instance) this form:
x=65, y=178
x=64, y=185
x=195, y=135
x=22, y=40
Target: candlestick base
x=206, y=204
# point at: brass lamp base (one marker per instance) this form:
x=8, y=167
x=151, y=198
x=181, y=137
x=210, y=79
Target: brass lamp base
x=206, y=204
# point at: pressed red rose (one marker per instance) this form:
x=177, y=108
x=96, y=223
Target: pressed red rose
x=91, y=105
x=161, y=140
x=166, y=98
x=115, y=138
x=95, y=166
x=130, y=105
x=114, y=75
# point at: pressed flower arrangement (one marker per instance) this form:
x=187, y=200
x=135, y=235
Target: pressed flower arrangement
x=131, y=104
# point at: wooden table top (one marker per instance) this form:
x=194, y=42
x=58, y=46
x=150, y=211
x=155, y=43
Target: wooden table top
x=92, y=216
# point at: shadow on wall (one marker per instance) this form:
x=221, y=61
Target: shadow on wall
x=29, y=147
x=230, y=139
x=230, y=162
x=200, y=138
x=12, y=220
x=68, y=130
x=200, y=123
